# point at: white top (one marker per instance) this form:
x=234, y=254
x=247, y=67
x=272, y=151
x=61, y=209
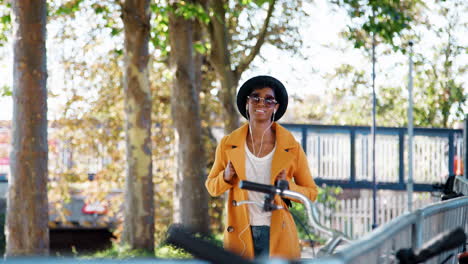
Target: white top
x=258, y=170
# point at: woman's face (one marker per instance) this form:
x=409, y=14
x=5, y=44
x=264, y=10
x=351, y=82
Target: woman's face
x=261, y=104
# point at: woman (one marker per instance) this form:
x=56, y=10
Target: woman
x=261, y=151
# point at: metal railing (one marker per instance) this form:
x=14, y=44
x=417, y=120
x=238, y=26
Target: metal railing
x=409, y=230
x=461, y=185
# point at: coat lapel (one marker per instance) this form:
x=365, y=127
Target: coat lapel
x=283, y=156
x=236, y=150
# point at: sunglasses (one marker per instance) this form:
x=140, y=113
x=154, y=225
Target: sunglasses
x=268, y=101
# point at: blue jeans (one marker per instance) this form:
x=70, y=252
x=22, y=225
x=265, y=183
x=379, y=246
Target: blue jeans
x=261, y=240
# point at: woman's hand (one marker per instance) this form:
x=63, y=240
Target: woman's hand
x=229, y=172
x=281, y=175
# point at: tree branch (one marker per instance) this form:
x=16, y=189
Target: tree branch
x=218, y=34
x=245, y=61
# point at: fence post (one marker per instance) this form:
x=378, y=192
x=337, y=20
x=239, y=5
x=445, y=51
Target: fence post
x=465, y=148
x=304, y=138
x=451, y=153
x=352, y=137
x=401, y=157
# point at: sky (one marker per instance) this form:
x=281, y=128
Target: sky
x=301, y=76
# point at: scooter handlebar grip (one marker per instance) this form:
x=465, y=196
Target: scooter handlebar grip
x=257, y=187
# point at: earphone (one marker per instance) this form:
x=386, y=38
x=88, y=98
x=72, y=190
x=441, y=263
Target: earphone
x=247, y=112
x=250, y=129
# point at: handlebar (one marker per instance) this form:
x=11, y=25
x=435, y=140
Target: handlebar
x=258, y=187
x=336, y=237
x=443, y=242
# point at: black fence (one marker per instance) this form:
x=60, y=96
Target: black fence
x=340, y=155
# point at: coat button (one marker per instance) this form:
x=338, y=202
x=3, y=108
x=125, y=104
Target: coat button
x=230, y=229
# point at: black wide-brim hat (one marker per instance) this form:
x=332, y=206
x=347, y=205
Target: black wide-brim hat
x=259, y=82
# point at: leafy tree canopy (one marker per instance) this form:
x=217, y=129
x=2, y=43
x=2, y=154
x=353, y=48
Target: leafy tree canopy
x=386, y=19
x=5, y=21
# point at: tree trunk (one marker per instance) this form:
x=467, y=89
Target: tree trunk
x=139, y=195
x=221, y=61
x=229, y=84
x=190, y=196
x=27, y=231
x=220, y=58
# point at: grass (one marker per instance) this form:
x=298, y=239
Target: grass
x=125, y=252
x=164, y=251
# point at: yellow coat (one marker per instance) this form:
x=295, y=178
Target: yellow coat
x=284, y=242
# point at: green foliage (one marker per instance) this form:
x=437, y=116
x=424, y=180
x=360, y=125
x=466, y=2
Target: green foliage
x=167, y=251
x=259, y=3
x=115, y=31
x=91, y=127
x=304, y=230
x=104, y=17
x=160, y=23
x=118, y=251
x=5, y=91
x=190, y=10
x=348, y=100
x=387, y=19
x=67, y=8
x=327, y=196
x=200, y=48
x=439, y=90
x=283, y=31
x=160, y=28
x=99, y=8
x=441, y=97
x=215, y=239
x=109, y=12
x=5, y=21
